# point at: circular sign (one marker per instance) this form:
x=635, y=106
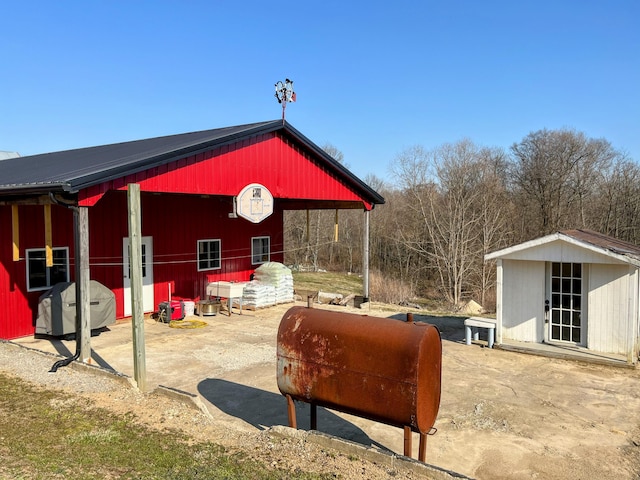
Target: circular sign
x=255, y=203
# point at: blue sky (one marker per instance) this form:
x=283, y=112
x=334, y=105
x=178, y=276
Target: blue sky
x=372, y=78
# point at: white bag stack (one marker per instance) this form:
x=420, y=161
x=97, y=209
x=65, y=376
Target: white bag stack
x=280, y=277
x=258, y=295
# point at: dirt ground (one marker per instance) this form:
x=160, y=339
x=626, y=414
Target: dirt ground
x=503, y=415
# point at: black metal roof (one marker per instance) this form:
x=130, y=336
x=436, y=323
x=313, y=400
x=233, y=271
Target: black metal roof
x=72, y=170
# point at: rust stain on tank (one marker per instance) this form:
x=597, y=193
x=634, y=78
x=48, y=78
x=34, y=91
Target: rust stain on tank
x=378, y=368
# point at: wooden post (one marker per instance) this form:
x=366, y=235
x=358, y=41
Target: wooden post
x=365, y=257
x=83, y=279
x=48, y=236
x=135, y=264
x=335, y=227
x=15, y=232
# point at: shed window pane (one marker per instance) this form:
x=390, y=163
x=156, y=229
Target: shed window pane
x=577, y=285
x=575, y=337
x=576, y=319
x=577, y=302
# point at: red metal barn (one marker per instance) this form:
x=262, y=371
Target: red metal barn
x=195, y=189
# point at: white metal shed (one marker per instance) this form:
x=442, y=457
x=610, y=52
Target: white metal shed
x=574, y=287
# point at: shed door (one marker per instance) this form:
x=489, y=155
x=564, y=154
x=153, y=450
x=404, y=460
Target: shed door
x=566, y=320
x=147, y=276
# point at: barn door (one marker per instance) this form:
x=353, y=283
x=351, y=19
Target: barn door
x=147, y=275
x=566, y=322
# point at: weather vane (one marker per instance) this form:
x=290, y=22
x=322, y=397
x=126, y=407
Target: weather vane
x=285, y=94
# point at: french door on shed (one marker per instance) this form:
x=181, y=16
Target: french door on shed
x=567, y=321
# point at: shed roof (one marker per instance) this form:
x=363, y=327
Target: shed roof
x=588, y=239
x=73, y=170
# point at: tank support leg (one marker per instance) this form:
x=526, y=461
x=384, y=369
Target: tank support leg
x=291, y=410
x=314, y=416
x=407, y=441
x=422, y=448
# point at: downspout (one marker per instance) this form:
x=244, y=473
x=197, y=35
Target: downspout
x=76, y=239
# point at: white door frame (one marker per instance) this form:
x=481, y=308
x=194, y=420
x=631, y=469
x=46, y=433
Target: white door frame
x=148, y=303
x=562, y=301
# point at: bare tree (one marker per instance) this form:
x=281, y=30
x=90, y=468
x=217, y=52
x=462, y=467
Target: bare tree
x=616, y=205
x=553, y=174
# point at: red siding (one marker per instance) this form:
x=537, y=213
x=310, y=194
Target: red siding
x=286, y=170
x=19, y=307
x=175, y=222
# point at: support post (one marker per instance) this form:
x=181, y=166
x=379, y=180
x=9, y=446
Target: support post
x=422, y=447
x=407, y=441
x=291, y=410
x=314, y=416
x=365, y=257
x=335, y=227
x=83, y=280
x=135, y=264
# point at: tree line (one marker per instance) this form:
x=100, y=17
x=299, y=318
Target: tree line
x=447, y=207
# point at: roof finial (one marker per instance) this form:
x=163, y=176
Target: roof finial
x=285, y=94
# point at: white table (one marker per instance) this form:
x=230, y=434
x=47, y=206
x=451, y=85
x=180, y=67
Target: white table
x=228, y=290
x=472, y=324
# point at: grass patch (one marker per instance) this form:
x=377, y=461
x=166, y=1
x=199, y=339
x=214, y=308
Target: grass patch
x=45, y=434
x=308, y=282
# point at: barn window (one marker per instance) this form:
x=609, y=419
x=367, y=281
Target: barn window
x=208, y=254
x=260, y=250
x=41, y=277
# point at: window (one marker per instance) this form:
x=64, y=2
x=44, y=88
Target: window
x=208, y=254
x=41, y=277
x=260, y=251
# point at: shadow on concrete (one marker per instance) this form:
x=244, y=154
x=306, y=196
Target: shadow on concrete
x=451, y=328
x=264, y=409
x=62, y=350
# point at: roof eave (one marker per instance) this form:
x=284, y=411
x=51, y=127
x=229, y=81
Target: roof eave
x=567, y=238
x=374, y=197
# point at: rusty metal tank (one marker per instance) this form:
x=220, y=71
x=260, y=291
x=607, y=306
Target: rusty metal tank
x=382, y=369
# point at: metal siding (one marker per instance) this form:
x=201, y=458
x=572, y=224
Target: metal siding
x=286, y=170
x=608, y=304
x=522, y=302
x=176, y=223
x=19, y=306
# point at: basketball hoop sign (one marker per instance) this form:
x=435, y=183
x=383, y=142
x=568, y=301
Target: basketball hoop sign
x=255, y=203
